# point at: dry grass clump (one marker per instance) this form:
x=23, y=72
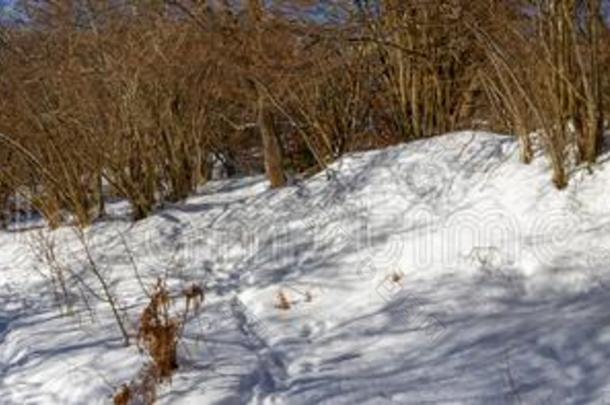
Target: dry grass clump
x=158, y=335
x=123, y=396
x=282, y=301
x=397, y=276
x=143, y=390
x=159, y=332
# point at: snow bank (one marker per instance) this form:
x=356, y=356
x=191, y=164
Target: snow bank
x=441, y=271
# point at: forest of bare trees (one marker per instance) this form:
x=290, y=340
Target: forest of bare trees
x=137, y=99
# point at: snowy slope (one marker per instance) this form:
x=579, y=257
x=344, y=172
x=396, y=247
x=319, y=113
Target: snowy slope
x=442, y=271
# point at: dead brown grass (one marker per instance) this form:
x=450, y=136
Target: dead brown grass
x=159, y=332
x=158, y=335
x=143, y=390
x=282, y=301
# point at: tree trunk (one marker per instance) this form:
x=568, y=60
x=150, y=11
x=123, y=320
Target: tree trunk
x=271, y=145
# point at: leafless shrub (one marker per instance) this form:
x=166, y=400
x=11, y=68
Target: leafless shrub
x=544, y=74
x=137, y=100
x=194, y=297
x=43, y=247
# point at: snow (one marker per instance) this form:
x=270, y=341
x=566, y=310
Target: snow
x=442, y=271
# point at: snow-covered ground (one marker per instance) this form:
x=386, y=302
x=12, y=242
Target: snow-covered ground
x=438, y=272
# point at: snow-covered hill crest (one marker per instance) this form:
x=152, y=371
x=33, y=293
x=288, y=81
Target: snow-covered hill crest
x=440, y=271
